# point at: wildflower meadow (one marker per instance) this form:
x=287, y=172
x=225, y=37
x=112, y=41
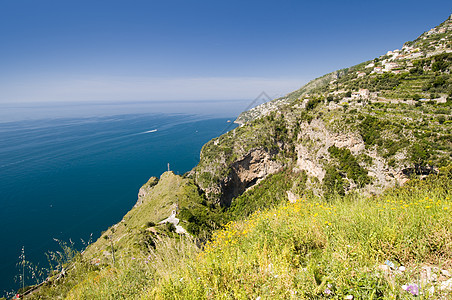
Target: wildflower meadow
x=397, y=245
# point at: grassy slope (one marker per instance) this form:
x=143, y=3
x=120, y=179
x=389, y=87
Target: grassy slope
x=139, y=228
x=301, y=250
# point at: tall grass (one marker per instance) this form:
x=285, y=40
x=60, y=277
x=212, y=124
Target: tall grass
x=130, y=278
x=310, y=249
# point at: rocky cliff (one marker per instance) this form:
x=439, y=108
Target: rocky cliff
x=389, y=117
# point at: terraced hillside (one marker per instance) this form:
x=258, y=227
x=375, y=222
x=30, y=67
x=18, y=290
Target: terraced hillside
x=419, y=70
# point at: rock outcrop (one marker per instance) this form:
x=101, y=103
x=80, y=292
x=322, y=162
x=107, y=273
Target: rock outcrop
x=246, y=172
x=145, y=189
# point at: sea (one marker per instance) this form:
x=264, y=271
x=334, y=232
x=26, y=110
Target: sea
x=68, y=171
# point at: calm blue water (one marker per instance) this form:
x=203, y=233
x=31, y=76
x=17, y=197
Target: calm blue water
x=78, y=170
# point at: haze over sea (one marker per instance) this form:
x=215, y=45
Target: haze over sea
x=69, y=170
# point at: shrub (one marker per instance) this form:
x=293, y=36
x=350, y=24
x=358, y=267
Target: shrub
x=312, y=103
x=333, y=184
x=170, y=227
x=419, y=154
x=349, y=165
x=150, y=224
x=370, y=129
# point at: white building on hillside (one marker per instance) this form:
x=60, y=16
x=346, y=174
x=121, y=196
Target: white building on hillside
x=364, y=93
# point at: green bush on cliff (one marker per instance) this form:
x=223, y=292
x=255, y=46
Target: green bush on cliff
x=349, y=165
x=333, y=183
x=268, y=193
x=197, y=214
x=370, y=129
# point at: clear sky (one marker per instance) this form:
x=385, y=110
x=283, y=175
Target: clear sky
x=77, y=50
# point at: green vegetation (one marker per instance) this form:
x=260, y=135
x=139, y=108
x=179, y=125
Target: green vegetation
x=272, y=133
x=349, y=165
x=268, y=193
x=333, y=183
x=303, y=250
x=386, y=81
x=141, y=228
x=370, y=129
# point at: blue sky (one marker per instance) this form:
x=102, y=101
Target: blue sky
x=204, y=50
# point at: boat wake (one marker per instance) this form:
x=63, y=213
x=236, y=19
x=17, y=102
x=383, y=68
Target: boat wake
x=12, y=163
x=149, y=131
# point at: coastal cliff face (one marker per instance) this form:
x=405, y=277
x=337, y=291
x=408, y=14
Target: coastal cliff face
x=237, y=160
x=145, y=190
x=362, y=145
x=314, y=157
x=245, y=173
x=363, y=128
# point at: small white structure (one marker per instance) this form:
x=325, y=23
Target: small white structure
x=361, y=94
x=378, y=70
x=390, y=66
x=364, y=93
x=175, y=221
x=354, y=96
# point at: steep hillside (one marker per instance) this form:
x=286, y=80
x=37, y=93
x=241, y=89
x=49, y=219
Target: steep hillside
x=351, y=134
x=397, y=245
x=381, y=120
x=352, y=144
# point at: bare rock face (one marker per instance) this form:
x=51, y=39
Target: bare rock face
x=144, y=190
x=292, y=197
x=312, y=152
x=315, y=141
x=246, y=172
x=309, y=161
